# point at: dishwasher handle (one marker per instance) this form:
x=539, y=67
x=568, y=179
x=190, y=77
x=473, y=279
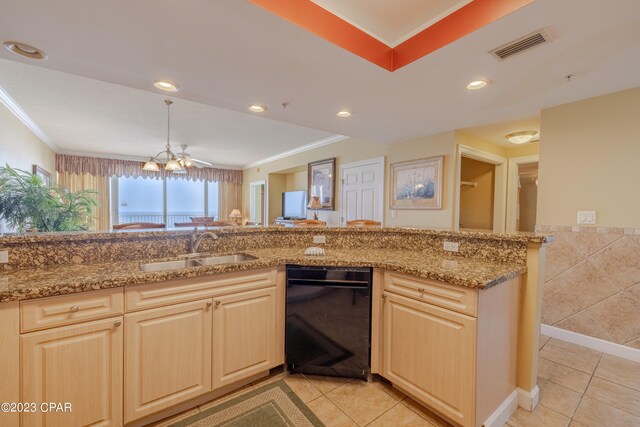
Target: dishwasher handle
x=351, y=284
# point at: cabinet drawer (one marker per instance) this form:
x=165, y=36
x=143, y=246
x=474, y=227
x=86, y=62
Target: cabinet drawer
x=61, y=310
x=456, y=298
x=141, y=297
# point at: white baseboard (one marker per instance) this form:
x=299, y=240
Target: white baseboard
x=591, y=342
x=528, y=400
x=504, y=411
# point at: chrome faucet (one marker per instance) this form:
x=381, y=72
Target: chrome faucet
x=196, y=239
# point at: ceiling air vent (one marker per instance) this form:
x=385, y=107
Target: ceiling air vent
x=522, y=44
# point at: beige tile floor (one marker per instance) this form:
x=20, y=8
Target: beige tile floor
x=578, y=387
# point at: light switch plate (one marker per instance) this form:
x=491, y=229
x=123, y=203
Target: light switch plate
x=4, y=257
x=451, y=246
x=319, y=239
x=586, y=217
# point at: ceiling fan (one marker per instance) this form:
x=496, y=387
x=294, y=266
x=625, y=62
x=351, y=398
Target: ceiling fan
x=186, y=160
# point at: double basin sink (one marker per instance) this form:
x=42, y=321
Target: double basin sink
x=191, y=261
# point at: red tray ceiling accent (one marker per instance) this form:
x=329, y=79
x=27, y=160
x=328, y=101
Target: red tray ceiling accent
x=317, y=20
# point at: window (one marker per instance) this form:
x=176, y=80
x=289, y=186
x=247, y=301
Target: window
x=139, y=200
x=162, y=201
x=184, y=200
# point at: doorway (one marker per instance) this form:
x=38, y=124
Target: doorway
x=256, y=202
x=477, y=186
x=482, y=190
x=362, y=190
x=523, y=194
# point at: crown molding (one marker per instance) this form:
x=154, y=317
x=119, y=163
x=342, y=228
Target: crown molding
x=15, y=109
x=319, y=143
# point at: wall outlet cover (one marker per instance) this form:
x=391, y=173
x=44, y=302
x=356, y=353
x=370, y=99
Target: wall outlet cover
x=451, y=246
x=319, y=239
x=587, y=217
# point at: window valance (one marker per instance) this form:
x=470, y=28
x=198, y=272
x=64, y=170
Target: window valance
x=81, y=165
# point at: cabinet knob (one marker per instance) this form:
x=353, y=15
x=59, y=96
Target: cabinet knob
x=421, y=290
x=209, y=304
x=384, y=296
x=118, y=323
x=218, y=302
x=74, y=308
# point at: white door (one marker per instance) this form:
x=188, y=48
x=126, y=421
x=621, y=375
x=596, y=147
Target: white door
x=362, y=190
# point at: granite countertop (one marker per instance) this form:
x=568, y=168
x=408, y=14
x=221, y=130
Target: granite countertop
x=42, y=282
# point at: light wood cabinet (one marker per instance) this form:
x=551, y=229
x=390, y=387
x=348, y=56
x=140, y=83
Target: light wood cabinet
x=79, y=364
x=430, y=352
x=167, y=358
x=450, y=348
x=244, y=335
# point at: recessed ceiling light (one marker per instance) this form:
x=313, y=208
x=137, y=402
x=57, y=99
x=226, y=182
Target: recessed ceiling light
x=477, y=84
x=521, y=137
x=166, y=85
x=257, y=108
x=343, y=113
x=25, y=50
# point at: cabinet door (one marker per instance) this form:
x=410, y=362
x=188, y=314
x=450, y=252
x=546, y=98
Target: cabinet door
x=167, y=357
x=429, y=352
x=244, y=335
x=78, y=364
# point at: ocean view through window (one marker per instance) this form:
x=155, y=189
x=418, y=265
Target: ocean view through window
x=162, y=201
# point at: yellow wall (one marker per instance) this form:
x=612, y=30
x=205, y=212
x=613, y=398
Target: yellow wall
x=589, y=161
x=352, y=150
x=20, y=148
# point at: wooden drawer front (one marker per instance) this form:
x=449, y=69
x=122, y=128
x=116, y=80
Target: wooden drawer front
x=456, y=298
x=61, y=310
x=140, y=297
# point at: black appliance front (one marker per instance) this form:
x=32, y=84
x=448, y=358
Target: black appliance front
x=328, y=326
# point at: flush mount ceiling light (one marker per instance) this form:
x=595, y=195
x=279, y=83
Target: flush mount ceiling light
x=343, y=113
x=171, y=160
x=257, y=108
x=477, y=84
x=25, y=50
x=521, y=137
x=167, y=86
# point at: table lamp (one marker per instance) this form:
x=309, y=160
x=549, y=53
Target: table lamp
x=314, y=203
x=236, y=216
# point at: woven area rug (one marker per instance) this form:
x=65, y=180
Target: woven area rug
x=273, y=405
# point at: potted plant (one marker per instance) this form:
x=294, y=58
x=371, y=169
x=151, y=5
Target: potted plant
x=26, y=203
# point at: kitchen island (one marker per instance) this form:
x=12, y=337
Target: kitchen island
x=57, y=288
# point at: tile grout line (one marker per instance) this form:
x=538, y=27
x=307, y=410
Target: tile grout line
x=587, y=387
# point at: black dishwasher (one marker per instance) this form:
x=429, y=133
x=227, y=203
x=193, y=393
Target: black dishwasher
x=328, y=327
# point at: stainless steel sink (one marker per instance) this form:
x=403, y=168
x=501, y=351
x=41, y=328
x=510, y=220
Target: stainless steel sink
x=195, y=262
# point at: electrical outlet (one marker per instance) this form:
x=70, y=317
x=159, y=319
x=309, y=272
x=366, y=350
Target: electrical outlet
x=393, y=213
x=587, y=217
x=4, y=257
x=319, y=239
x=451, y=246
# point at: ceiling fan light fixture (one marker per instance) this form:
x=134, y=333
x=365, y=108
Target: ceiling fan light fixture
x=151, y=166
x=173, y=165
x=166, y=85
x=521, y=137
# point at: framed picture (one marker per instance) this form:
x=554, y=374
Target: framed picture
x=417, y=184
x=43, y=174
x=321, y=182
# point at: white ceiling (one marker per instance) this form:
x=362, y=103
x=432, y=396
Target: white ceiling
x=86, y=116
x=231, y=53
x=392, y=22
